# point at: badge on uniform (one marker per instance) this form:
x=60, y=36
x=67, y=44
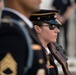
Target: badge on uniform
x=8, y=65
x=41, y=72
x=36, y=47
x=48, y=62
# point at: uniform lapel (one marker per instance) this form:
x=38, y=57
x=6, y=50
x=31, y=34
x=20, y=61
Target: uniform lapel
x=8, y=14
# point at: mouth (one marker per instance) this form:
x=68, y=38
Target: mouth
x=55, y=36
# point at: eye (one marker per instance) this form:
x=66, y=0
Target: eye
x=52, y=27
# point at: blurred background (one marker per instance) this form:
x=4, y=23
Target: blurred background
x=71, y=34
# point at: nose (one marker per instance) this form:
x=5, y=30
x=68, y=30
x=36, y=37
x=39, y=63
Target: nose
x=57, y=30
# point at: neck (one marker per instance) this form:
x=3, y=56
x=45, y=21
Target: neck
x=44, y=43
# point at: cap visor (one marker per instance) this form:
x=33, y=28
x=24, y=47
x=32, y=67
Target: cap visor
x=53, y=22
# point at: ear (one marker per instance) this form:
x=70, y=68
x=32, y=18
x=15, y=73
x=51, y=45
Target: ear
x=37, y=29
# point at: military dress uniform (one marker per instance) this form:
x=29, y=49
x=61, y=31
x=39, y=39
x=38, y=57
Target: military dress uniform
x=47, y=16
x=19, y=53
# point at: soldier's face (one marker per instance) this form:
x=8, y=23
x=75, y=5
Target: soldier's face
x=48, y=35
x=32, y=5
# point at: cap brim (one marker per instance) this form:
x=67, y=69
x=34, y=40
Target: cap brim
x=53, y=22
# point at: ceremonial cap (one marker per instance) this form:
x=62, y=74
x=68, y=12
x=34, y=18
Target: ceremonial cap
x=47, y=16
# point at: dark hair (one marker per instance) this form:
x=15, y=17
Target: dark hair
x=39, y=23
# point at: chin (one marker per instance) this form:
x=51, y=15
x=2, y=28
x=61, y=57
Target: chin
x=37, y=9
x=54, y=41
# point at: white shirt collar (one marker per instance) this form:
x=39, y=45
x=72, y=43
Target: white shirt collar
x=26, y=20
x=47, y=49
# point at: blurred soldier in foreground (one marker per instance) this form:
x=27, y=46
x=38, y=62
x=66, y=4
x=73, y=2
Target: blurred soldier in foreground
x=15, y=45
x=46, y=27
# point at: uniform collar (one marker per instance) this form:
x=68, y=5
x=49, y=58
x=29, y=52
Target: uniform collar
x=25, y=19
x=47, y=49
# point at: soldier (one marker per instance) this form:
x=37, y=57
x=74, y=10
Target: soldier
x=14, y=46
x=46, y=26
